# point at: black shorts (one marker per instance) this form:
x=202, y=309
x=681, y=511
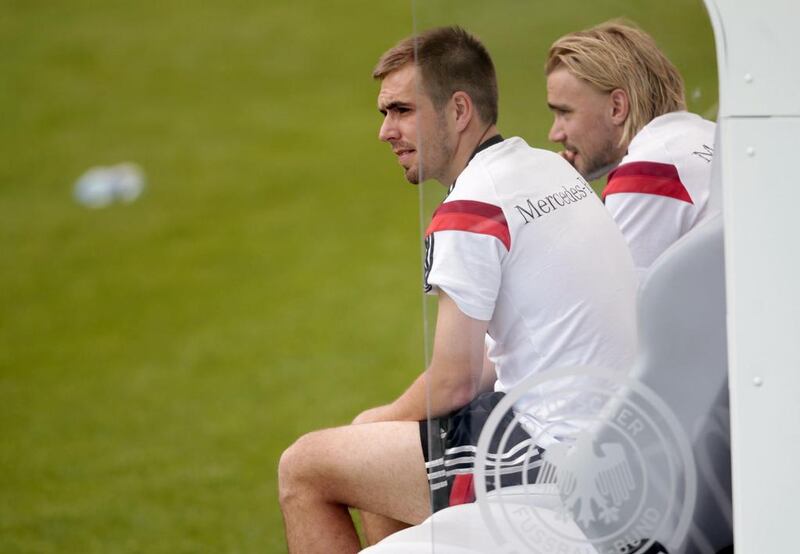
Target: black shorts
x=450, y=452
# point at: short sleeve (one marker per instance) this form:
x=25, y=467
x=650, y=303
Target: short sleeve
x=649, y=223
x=468, y=268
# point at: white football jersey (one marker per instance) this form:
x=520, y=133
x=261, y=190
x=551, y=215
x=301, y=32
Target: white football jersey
x=661, y=188
x=524, y=243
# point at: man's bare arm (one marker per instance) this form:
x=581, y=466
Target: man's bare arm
x=488, y=375
x=454, y=376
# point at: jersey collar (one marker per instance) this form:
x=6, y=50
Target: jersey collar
x=491, y=141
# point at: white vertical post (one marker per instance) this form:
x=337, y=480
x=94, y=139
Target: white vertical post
x=759, y=79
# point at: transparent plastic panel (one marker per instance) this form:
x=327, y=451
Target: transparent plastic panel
x=611, y=432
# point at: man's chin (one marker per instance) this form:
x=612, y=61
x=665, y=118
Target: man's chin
x=412, y=176
x=594, y=173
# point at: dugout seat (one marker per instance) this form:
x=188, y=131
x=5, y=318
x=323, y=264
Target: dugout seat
x=683, y=358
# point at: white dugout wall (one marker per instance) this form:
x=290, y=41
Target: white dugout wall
x=759, y=81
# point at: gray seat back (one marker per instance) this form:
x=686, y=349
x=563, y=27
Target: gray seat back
x=683, y=358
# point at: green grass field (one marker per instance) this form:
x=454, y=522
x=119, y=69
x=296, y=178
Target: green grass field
x=156, y=358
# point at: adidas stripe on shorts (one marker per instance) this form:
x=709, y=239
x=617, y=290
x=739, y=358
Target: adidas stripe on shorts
x=449, y=445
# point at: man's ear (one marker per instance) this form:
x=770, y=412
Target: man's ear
x=463, y=109
x=620, y=106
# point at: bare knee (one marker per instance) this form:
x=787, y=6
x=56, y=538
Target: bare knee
x=302, y=467
x=294, y=470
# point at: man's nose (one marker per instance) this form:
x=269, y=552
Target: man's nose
x=388, y=130
x=556, y=133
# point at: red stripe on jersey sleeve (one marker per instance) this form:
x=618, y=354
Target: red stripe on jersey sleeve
x=647, y=178
x=471, y=216
x=463, y=491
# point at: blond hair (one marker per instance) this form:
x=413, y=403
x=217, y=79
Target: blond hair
x=618, y=55
x=449, y=60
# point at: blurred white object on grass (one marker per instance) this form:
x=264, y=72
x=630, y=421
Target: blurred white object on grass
x=103, y=185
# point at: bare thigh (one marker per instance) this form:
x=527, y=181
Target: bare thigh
x=377, y=467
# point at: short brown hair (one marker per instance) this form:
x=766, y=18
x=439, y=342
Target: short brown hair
x=618, y=55
x=449, y=60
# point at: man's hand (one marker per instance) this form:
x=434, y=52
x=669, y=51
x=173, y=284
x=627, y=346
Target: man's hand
x=373, y=415
x=568, y=155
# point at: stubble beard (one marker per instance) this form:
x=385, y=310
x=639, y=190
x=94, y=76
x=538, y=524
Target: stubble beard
x=601, y=162
x=412, y=175
x=440, y=153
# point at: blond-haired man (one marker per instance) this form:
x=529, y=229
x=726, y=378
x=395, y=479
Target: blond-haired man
x=520, y=248
x=618, y=106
